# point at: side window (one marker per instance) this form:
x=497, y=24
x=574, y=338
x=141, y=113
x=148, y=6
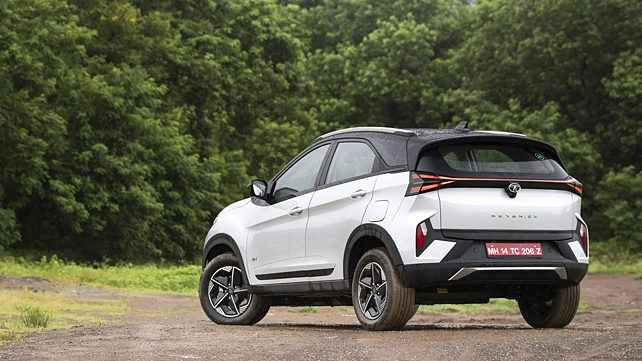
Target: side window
x=350, y=160
x=302, y=175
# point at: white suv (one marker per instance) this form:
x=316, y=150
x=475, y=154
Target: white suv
x=388, y=219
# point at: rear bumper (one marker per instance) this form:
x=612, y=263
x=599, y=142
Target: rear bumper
x=563, y=262
x=493, y=273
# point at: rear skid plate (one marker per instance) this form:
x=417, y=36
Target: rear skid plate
x=561, y=271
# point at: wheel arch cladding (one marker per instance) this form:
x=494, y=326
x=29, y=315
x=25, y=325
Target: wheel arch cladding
x=363, y=238
x=219, y=244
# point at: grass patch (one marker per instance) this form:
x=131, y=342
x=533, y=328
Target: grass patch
x=610, y=266
x=35, y=317
x=496, y=305
x=306, y=309
x=22, y=312
x=145, y=278
x=610, y=257
x=609, y=309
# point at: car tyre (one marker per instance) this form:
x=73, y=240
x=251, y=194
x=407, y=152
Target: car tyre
x=550, y=307
x=224, y=295
x=381, y=300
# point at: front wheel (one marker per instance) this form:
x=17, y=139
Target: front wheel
x=381, y=300
x=224, y=296
x=550, y=307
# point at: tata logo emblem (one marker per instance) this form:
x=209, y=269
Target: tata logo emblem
x=512, y=189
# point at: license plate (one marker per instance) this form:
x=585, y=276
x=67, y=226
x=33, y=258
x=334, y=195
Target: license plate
x=514, y=249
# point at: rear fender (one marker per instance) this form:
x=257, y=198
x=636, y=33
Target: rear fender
x=376, y=232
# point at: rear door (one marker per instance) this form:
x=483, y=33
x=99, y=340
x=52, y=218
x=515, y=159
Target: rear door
x=338, y=206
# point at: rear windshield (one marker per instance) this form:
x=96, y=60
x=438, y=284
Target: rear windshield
x=490, y=161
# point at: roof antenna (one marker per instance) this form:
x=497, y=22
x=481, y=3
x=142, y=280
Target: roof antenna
x=462, y=127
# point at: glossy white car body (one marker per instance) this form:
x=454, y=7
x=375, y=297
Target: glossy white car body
x=393, y=189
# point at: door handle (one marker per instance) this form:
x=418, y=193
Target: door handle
x=295, y=211
x=358, y=194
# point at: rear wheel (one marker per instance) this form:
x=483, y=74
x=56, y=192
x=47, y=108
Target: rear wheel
x=224, y=296
x=381, y=300
x=550, y=307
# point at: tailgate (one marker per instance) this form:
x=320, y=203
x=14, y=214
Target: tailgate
x=493, y=209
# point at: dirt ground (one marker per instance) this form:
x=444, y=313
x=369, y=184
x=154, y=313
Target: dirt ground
x=172, y=327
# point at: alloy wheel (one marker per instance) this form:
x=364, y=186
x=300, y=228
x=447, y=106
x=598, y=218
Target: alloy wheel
x=227, y=293
x=372, y=290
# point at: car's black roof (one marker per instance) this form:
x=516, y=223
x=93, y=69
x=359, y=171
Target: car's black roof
x=402, y=147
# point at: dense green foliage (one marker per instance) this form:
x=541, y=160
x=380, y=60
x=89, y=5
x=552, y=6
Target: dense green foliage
x=127, y=125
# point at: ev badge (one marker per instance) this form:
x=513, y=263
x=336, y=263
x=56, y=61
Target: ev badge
x=512, y=189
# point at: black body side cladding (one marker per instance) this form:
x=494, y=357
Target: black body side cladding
x=225, y=240
x=303, y=288
x=374, y=231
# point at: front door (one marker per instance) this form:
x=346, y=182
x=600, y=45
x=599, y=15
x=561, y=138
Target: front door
x=276, y=239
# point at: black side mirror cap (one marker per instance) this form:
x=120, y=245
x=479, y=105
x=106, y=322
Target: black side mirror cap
x=258, y=188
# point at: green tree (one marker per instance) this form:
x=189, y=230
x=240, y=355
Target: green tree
x=38, y=41
x=92, y=162
x=378, y=62
x=621, y=198
x=132, y=123
x=571, y=52
x=624, y=87
x=237, y=70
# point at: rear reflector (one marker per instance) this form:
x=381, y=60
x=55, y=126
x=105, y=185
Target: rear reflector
x=422, y=231
x=584, y=236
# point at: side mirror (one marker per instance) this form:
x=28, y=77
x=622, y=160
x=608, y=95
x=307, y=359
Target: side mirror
x=258, y=188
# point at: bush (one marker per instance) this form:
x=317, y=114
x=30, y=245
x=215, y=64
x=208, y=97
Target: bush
x=35, y=317
x=621, y=199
